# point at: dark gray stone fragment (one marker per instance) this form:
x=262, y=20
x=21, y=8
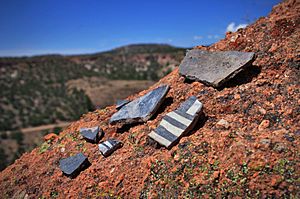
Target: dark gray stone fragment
x=142, y=108
x=109, y=146
x=92, y=134
x=297, y=132
x=289, y=138
x=73, y=165
x=121, y=103
x=177, y=123
x=214, y=68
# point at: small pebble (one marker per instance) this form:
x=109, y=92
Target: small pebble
x=263, y=125
x=62, y=149
x=279, y=147
x=265, y=142
x=289, y=138
x=262, y=111
x=223, y=123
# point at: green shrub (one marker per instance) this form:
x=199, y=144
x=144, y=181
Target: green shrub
x=57, y=130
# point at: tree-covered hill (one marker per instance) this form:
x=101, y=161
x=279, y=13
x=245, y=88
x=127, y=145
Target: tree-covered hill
x=34, y=92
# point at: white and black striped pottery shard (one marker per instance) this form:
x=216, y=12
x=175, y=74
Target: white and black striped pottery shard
x=177, y=123
x=92, y=134
x=214, y=68
x=142, y=108
x=109, y=146
x=73, y=165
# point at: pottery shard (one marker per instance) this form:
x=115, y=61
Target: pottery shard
x=177, y=123
x=73, y=165
x=214, y=68
x=121, y=103
x=109, y=146
x=142, y=108
x=92, y=134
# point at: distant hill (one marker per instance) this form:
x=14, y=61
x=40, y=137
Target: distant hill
x=34, y=90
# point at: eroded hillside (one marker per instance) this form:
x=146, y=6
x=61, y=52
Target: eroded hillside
x=254, y=154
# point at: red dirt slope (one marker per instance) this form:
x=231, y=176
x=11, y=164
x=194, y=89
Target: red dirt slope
x=256, y=154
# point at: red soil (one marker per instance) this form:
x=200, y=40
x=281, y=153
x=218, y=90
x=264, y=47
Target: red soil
x=256, y=155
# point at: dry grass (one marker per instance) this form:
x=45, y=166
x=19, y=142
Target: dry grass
x=104, y=92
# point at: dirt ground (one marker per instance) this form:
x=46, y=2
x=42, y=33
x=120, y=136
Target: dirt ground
x=256, y=155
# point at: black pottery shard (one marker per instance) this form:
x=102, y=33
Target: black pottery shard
x=92, y=134
x=121, y=103
x=73, y=165
x=142, y=108
x=214, y=68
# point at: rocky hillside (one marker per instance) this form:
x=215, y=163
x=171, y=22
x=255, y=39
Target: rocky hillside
x=253, y=152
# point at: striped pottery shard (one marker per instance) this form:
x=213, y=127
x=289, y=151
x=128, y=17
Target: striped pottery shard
x=142, y=108
x=177, y=123
x=109, y=146
x=214, y=68
x=92, y=134
x=73, y=165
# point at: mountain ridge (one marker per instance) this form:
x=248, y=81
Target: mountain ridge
x=120, y=48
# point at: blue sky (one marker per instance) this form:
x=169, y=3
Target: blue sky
x=30, y=27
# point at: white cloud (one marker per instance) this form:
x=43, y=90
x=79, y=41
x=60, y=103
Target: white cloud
x=232, y=27
x=209, y=36
x=198, y=37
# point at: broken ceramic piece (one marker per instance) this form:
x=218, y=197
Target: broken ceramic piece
x=214, y=68
x=177, y=123
x=109, y=146
x=92, y=134
x=73, y=165
x=142, y=108
x=121, y=103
